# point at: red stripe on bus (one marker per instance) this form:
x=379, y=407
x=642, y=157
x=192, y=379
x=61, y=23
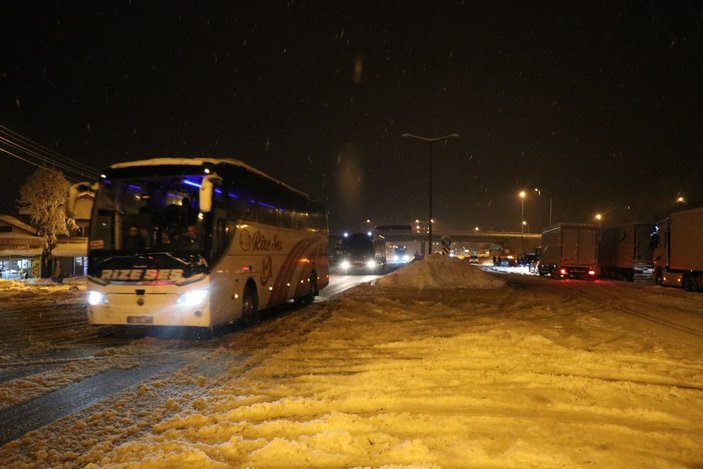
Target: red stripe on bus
x=282, y=278
x=280, y=287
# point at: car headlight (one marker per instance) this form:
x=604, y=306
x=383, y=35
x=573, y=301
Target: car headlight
x=371, y=264
x=192, y=298
x=345, y=264
x=96, y=298
x=406, y=257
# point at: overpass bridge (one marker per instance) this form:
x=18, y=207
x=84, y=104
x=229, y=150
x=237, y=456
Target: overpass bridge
x=486, y=243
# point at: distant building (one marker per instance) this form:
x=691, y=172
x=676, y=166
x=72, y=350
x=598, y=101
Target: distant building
x=71, y=256
x=22, y=252
x=20, y=249
x=71, y=252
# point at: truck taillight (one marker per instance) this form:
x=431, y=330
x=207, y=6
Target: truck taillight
x=563, y=271
x=591, y=272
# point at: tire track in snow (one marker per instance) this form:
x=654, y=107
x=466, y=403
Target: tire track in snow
x=48, y=408
x=616, y=301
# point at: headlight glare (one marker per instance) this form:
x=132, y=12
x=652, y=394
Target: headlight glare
x=192, y=298
x=345, y=264
x=96, y=298
x=371, y=264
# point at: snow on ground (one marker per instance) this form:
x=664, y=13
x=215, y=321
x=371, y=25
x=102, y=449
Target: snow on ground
x=38, y=313
x=41, y=324
x=420, y=372
x=521, y=270
x=440, y=272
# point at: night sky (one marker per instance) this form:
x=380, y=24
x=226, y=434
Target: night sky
x=599, y=104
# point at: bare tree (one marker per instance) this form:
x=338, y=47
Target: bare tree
x=42, y=198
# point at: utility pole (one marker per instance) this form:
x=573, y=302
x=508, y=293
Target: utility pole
x=430, y=141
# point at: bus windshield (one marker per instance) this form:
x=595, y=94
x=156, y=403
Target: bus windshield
x=150, y=214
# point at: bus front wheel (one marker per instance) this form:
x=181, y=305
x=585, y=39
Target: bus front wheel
x=250, y=305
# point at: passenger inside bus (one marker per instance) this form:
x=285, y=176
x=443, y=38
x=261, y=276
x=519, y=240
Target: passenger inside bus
x=165, y=238
x=135, y=240
x=191, y=239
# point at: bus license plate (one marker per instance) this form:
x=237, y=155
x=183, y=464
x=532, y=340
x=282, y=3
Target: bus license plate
x=140, y=320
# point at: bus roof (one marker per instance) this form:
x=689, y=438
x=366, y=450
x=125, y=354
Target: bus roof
x=197, y=161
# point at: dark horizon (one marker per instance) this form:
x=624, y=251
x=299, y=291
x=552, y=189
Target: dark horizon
x=597, y=104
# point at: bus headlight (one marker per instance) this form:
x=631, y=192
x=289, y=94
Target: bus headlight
x=96, y=298
x=192, y=298
x=371, y=264
x=345, y=264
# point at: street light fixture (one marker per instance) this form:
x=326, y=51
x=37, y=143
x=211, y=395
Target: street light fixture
x=601, y=215
x=430, y=141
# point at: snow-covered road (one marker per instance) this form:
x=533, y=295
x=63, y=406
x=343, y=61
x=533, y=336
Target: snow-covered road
x=437, y=365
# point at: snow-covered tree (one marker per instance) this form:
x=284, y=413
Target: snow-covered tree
x=42, y=198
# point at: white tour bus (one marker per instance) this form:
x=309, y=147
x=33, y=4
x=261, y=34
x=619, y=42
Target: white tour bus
x=199, y=242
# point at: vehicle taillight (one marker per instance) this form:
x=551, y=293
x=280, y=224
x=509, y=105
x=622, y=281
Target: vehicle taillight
x=563, y=271
x=591, y=272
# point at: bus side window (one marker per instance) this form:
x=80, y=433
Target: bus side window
x=288, y=210
x=315, y=220
x=220, y=239
x=299, y=218
x=242, y=203
x=267, y=202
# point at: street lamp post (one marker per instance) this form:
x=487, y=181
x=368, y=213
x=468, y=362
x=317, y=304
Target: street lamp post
x=522, y=194
x=539, y=193
x=430, y=141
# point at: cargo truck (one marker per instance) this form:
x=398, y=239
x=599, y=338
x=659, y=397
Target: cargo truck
x=678, y=250
x=569, y=250
x=625, y=252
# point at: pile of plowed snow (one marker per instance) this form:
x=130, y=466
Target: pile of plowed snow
x=441, y=272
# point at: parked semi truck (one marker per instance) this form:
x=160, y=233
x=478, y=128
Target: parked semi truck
x=569, y=250
x=625, y=252
x=678, y=250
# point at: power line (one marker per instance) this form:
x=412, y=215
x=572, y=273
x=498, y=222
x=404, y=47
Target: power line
x=35, y=154
x=36, y=159
x=44, y=149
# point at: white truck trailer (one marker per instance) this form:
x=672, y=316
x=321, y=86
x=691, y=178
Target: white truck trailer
x=569, y=250
x=625, y=252
x=678, y=250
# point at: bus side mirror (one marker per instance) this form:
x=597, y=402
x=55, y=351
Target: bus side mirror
x=206, y=190
x=74, y=192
